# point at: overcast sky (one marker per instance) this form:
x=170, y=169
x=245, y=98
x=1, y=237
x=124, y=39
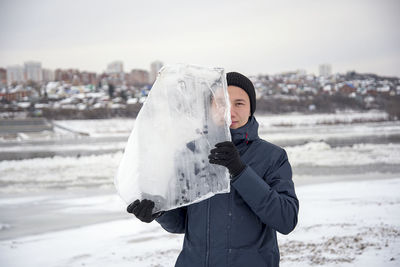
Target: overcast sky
x=250, y=36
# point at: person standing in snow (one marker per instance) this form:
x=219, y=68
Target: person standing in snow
x=237, y=228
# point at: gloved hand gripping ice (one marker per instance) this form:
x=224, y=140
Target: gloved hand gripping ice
x=143, y=210
x=226, y=154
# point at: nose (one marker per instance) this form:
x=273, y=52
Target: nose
x=232, y=112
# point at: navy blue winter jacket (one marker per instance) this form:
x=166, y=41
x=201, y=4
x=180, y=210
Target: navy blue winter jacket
x=239, y=228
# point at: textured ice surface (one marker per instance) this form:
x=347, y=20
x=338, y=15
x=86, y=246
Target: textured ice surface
x=166, y=158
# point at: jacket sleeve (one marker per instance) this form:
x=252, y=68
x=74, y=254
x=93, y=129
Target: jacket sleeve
x=174, y=221
x=272, y=198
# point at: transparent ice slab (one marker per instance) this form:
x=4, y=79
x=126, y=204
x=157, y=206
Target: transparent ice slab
x=166, y=158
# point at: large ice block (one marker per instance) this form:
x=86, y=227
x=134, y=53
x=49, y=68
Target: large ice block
x=166, y=158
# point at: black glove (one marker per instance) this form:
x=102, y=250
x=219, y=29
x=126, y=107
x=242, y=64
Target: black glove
x=227, y=155
x=143, y=210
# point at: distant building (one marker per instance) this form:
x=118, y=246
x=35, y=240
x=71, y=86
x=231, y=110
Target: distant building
x=347, y=88
x=15, y=95
x=3, y=77
x=115, y=67
x=154, y=69
x=66, y=75
x=88, y=77
x=15, y=74
x=48, y=75
x=325, y=70
x=115, y=71
x=139, y=77
x=76, y=80
x=33, y=71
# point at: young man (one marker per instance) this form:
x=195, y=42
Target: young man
x=238, y=228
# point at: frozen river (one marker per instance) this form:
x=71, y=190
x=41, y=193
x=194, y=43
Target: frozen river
x=317, y=145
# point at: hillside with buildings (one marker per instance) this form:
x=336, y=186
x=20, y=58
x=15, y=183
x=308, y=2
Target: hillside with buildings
x=33, y=91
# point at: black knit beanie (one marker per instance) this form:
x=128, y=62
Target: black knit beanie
x=239, y=80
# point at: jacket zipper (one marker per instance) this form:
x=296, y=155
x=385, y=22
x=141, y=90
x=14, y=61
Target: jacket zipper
x=208, y=234
x=230, y=201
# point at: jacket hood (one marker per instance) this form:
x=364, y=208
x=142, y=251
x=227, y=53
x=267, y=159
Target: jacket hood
x=245, y=134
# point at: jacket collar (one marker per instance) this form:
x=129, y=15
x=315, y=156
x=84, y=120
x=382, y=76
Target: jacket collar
x=247, y=133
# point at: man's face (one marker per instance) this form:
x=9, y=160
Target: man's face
x=240, y=106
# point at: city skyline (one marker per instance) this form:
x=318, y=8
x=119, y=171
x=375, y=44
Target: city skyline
x=117, y=67
x=32, y=71
x=256, y=37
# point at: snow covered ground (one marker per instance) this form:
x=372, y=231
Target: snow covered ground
x=63, y=210
x=340, y=224
x=346, y=224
